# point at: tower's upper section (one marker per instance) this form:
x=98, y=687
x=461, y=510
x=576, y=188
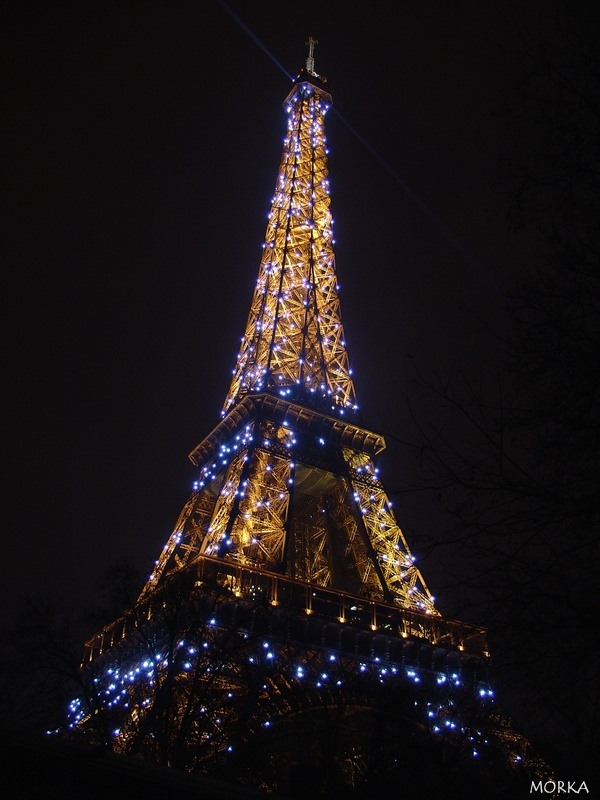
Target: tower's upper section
x=294, y=343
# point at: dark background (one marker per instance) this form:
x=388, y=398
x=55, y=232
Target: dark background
x=143, y=145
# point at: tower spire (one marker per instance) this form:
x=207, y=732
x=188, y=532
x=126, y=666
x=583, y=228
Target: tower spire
x=294, y=343
x=310, y=61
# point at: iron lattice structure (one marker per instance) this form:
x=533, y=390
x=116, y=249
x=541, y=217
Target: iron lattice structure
x=287, y=588
x=287, y=480
x=294, y=335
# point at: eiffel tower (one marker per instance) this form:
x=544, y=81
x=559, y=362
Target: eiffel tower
x=287, y=484
x=287, y=587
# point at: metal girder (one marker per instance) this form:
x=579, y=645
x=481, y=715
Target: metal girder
x=294, y=334
x=281, y=496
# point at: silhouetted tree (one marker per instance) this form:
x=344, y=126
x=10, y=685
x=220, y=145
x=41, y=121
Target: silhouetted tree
x=515, y=458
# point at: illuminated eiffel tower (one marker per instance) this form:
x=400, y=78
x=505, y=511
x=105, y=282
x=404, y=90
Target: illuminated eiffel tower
x=287, y=480
x=287, y=587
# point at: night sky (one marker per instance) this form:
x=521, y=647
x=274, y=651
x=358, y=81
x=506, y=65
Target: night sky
x=143, y=145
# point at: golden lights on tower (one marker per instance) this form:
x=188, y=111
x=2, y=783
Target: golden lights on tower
x=294, y=338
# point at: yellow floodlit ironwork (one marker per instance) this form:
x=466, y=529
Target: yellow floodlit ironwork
x=294, y=336
x=287, y=585
x=287, y=479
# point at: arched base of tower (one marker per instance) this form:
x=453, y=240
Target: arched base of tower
x=292, y=703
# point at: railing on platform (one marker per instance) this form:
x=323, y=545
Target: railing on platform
x=228, y=578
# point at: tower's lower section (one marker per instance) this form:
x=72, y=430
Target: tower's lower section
x=286, y=640
x=263, y=681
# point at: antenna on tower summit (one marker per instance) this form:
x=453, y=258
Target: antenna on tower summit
x=310, y=61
